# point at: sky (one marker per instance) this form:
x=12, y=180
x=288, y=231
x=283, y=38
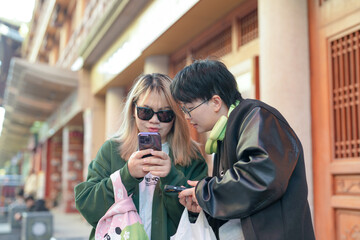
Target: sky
x=17, y=10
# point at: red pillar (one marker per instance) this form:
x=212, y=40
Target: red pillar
x=73, y=164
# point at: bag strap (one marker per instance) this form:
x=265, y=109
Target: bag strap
x=119, y=188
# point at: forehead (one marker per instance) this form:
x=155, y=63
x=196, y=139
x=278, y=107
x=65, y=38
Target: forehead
x=153, y=99
x=193, y=102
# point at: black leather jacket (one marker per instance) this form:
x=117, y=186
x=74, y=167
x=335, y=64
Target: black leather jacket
x=259, y=177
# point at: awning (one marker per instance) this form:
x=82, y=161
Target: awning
x=33, y=92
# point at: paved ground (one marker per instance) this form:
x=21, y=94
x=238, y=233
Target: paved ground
x=69, y=226
x=66, y=226
x=6, y=233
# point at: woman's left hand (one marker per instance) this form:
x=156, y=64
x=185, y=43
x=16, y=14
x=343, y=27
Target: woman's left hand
x=159, y=164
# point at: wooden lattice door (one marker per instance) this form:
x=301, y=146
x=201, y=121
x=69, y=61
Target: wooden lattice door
x=345, y=158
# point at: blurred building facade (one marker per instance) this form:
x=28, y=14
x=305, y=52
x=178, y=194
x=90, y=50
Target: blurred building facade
x=65, y=95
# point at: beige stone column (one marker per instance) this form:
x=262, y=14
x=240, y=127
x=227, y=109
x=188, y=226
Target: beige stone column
x=94, y=129
x=157, y=63
x=284, y=68
x=115, y=99
x=93, y=117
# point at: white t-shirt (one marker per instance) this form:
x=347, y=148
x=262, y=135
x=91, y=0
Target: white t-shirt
x=232, y=229
x=146, y=192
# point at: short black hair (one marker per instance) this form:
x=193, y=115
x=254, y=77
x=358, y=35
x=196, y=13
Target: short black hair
x=29, y=198
x=40, y=205
x=204, y=79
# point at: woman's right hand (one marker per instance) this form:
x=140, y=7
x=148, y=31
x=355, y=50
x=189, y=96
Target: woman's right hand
x=187, y=198
x=136, y=163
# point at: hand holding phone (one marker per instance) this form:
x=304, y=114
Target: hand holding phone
x=149, y=140
x=159, y=164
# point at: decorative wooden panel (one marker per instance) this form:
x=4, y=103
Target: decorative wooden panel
x=348, y=225
x=218, y=46
x=347, y=185
x=248, y=28
x=345, y=73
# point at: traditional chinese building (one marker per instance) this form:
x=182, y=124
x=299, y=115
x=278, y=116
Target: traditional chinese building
x=302, y=57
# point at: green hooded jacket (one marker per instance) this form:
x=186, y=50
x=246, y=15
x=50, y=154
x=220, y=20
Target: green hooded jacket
x=95, y=196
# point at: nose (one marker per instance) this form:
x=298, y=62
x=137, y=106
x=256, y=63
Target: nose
x=187, y=116
x=154, y=119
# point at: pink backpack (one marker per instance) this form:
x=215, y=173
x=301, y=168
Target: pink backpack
x=121, y=221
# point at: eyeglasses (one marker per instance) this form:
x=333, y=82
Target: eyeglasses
x=187, y=111
x=145, y=113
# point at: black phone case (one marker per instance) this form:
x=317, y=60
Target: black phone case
x=171, y=188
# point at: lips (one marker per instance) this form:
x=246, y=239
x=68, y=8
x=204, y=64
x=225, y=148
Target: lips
x=153, y=129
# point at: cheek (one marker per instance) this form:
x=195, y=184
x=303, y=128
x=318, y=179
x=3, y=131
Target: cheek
x=139, y=124
x=197, y=118
x=201, y=121
x=167, y=128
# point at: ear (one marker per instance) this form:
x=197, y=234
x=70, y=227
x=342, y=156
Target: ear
x=216, y=102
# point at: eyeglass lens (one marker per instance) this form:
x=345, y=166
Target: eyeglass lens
x=145, y=113
x=187, y=111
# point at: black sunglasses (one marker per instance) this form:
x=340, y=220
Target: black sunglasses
x=145, y=113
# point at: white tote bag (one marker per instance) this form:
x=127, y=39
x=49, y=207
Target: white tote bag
x=193, y=231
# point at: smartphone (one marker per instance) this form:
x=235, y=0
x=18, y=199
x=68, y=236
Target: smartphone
x=171, y=188
x=149, y=140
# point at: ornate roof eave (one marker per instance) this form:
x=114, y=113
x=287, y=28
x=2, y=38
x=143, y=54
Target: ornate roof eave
x=33, y=92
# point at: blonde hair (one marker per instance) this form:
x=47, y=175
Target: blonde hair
x=183, y=148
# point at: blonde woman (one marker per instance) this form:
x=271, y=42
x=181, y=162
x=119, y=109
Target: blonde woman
x=149, y=108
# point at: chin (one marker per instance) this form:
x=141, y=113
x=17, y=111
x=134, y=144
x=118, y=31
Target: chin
x=200, y=130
